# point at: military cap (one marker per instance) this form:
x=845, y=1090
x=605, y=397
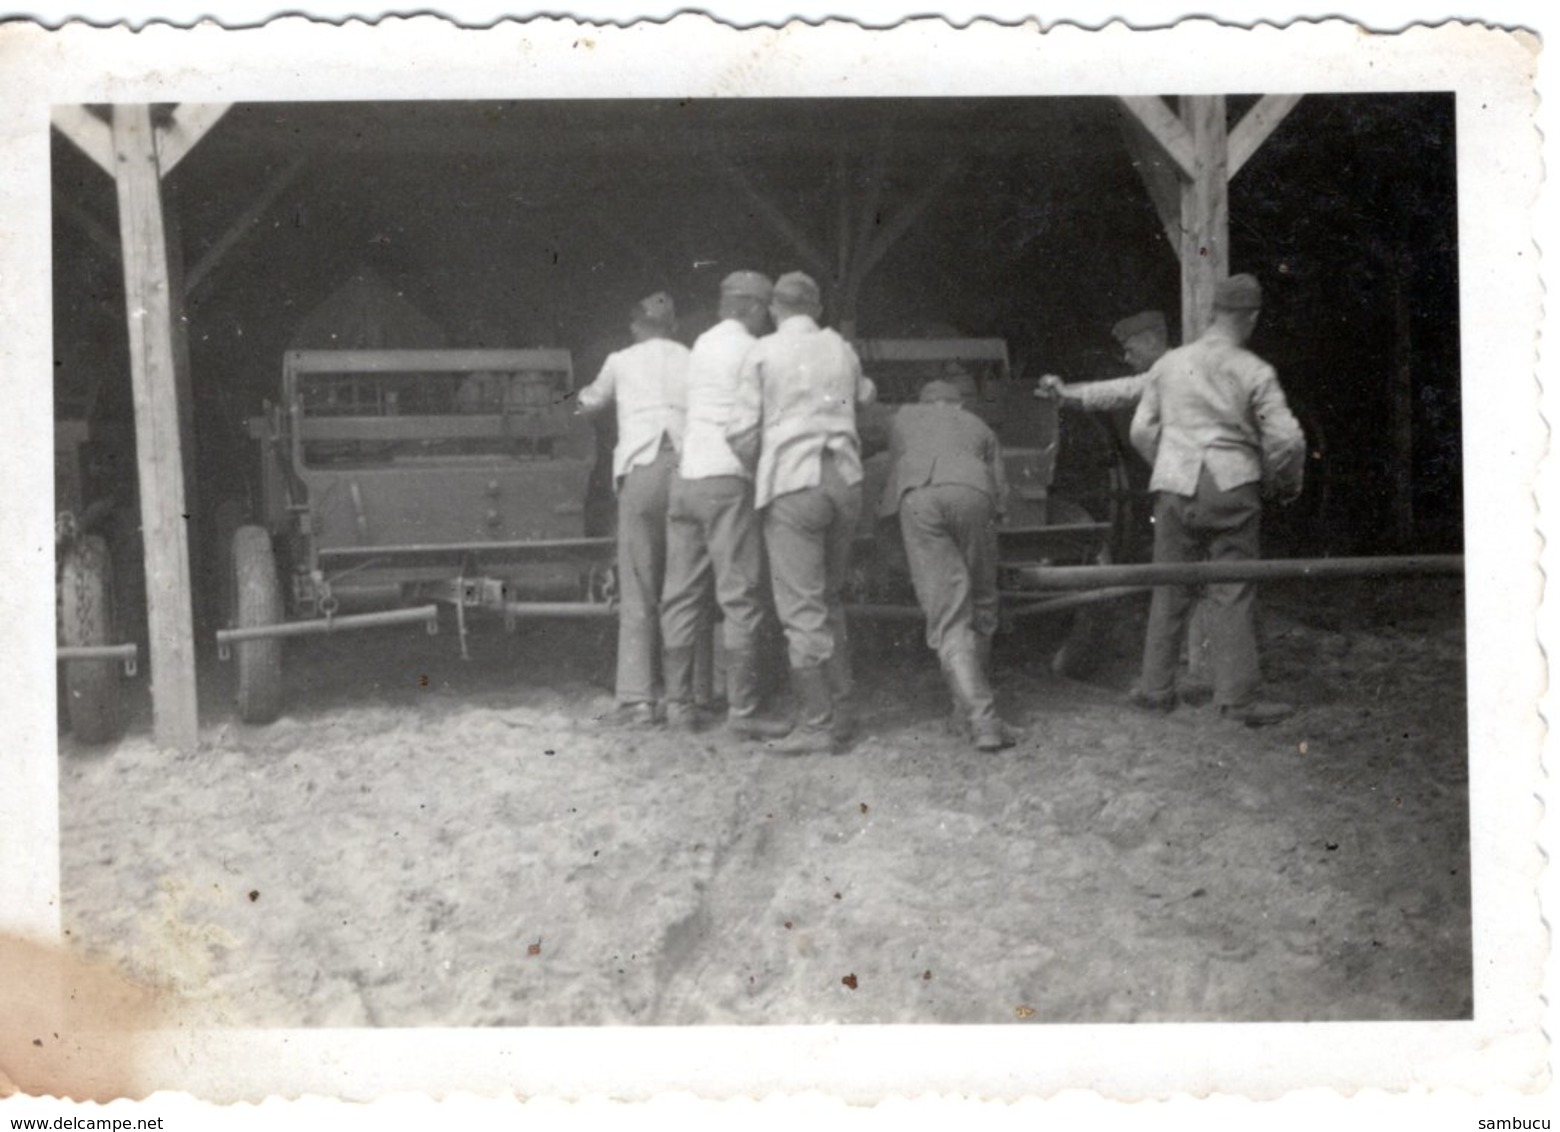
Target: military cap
x=657, y=310
x=1143, y=322
x=939, y=390
x=1238, y=293
x=797, y=291
x=748, y=284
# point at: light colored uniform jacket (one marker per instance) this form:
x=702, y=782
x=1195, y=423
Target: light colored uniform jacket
x=1112, y=393
x=649, y=383
x=796, y=399
x=1214, y=404
x=713, y=371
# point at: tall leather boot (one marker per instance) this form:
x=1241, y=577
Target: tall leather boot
x=742, y=718
x=841, y=685
x=958, y=723
x=677, y=665
x=983, y=655
x=814, y=732
x=969, y=686
x=706, y=686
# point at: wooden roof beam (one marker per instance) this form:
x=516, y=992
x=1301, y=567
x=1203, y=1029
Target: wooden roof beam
x=1257, y=126
x=190, y=123
x=812, y=258
x=90, y=134
x=869, y=209
x=1166, y=128
x=94, y=137
x=901, y=222
x=96, y=231
x=1159, y=177
x=240, y=227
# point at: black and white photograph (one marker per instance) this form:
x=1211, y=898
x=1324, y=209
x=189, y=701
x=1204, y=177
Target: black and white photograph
x=938, y=557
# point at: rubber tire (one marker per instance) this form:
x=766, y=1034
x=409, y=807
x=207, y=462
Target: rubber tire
x=258, y=594
x=226, y=519
x=86, y=617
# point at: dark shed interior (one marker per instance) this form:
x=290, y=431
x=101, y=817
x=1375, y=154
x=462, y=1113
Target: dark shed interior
x=539, y=223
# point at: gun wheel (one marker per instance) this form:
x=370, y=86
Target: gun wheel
x=86, y=617
x=258, y=597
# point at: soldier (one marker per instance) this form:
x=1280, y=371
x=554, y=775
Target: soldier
x=714, y=548
x=946, y=483
x=648, y=384
x=1214, y=425
x=1143, y=339
x=795, y=419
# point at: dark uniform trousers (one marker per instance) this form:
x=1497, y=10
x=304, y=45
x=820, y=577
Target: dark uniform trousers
x=950, y=537
x=643, y=497
x=809, y=533
x=713, y=548
x=1214, y=526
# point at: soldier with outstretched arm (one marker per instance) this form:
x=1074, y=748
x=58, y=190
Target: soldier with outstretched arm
x=1142, y=340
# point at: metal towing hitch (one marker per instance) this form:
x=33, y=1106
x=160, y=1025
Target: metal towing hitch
x=427, y=614
x=126, y=654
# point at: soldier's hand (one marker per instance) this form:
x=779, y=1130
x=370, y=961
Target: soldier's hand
x=1050, y=386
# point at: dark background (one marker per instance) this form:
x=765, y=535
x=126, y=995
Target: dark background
x=539, y=223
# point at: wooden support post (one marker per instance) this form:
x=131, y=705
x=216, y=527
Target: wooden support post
x=1197, y=152
x=159, y=438
x=1205, y=212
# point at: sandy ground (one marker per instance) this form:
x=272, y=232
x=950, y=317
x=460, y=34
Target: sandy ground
x=428, y=841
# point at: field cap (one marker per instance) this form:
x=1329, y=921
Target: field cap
x=940, y=390
x=1238, y=293
x=657, y=310
x=748, y=284
x=797, y=291
x=1143, y=322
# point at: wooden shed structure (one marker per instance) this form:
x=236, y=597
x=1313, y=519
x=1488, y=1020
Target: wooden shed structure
x=538, y=223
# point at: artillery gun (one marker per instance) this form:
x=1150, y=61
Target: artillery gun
x=394, y=483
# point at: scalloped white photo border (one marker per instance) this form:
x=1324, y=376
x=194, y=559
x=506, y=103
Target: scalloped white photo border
x=1499, y=174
